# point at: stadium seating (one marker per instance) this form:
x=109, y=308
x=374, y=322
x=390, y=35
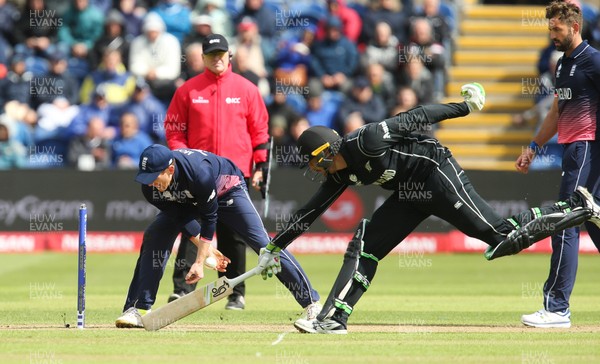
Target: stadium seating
x=497, y=46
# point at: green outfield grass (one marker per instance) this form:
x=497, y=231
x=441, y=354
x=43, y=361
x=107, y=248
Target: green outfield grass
x=420, y=309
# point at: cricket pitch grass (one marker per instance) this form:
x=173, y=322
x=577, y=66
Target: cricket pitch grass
x=420, y=309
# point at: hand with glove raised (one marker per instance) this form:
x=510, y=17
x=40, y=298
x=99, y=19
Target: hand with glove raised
x=474, y=95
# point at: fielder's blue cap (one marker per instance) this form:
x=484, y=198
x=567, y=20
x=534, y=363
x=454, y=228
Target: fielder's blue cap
x=154, y=159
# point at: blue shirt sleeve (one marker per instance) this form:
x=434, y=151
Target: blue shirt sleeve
x=204, y=189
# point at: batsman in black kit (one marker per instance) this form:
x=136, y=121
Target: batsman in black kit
x=391, y=155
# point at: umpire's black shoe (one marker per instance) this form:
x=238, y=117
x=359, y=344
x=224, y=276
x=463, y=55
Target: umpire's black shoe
x=175, y=296
x=235, y=302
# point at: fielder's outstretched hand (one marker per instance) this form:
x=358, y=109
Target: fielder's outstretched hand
x=222, y=261
x=268, y=261
x=196, y=272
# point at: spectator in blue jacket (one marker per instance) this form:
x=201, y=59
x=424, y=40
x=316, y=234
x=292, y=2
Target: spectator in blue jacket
x=335, y=58
x=9, y=15
x=388, y=11
x=129, y=145
x=16, y=84
x=369, y=106
x=134, y=18
x=293, y=58
x=5, y=54
x=57, y=83
x=176, y=17
x=98, y=108
x=35, y=33
x=322, y=107
x=148, y=110
x=262, y=15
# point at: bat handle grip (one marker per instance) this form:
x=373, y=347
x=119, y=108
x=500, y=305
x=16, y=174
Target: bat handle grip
x=239, y=279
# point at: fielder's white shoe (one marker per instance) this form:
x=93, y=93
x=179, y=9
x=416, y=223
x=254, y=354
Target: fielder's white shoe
x=311, y=311
x=547, y=319
x=131, y=318
x=327, y=326
x=474, y=95
x=590, y=202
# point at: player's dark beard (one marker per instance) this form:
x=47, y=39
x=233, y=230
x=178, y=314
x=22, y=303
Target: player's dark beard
x=565, y=44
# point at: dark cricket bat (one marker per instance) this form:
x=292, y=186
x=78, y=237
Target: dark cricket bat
x=194, y=301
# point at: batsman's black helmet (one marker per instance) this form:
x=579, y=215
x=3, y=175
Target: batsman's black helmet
x=314, y=141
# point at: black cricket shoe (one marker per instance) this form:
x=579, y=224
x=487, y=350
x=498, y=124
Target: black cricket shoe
x=175, y=296
x=235, y=302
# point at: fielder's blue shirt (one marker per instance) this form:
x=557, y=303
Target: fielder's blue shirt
x=577, y=87
x=200, y=179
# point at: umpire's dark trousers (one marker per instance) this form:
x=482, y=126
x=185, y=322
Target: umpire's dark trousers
x=238, y=213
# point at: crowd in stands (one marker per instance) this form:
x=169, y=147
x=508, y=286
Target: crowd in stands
x=85, y=83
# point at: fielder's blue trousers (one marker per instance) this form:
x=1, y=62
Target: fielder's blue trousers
x=580, y=167
x=235, y=210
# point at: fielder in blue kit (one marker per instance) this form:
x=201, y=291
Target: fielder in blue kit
x=574, y=116
x=192, y=189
